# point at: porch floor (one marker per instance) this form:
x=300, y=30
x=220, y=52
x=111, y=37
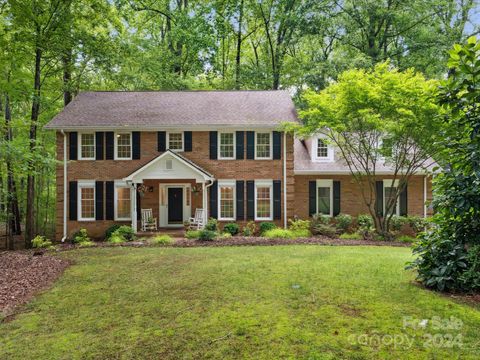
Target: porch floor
x=175, y=233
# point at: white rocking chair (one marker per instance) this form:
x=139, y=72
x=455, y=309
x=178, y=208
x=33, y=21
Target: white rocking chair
x=149, y=223
x=198, y=220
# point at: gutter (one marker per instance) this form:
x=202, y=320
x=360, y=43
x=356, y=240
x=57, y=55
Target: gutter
x=284, y=180
x=64, y=186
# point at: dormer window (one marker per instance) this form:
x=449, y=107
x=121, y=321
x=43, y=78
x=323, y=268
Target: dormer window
x=322, y=151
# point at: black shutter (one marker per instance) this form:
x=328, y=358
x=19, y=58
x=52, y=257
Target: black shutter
x=99, y=135
x=73, y=145
x=404, y=202
x=187, y=138
x=139, y=206
x=240, y=141
x=136, y=150
x=277, y=196
x=109, y=200
x=98, y=200
x=336, y=197
x=379, y=197
x=109, y=145
x=312, y=198
x=213, y=200
x=250, y=145
x=161, y=141
x=277, y=145
x=250, y=199
x=213, y=145
x=240, y=192
x=72, y=200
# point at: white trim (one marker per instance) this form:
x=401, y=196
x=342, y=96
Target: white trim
x=115, y=156
x=346, y=172
x=80, y=185
x=120, y=184
x=390, y=183
x=263, y=183
x=324, y=183
x=79, y=145
x=163, y=209
x=183, y=140
x=330, y=151
x=65, y=230
x=133, y=203
x=219, y=153
x=204, y=127
x=270, y=157
x=226, y=183
x=284, y=179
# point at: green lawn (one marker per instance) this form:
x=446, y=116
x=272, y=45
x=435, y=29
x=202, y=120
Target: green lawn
x=307, y=302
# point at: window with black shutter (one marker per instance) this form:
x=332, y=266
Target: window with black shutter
x=73, y=145
x=213, y=200
x=239, y=143
x=109, y=200
x=336, y=197
x=161, y=141
x=250, y=145
x=277, y=145
x=250, y=199
x=98, y=200
x=99, y=135
x=109, y=145
x=72, y=200
x=379, y=197
x=312, y=198
x=187, y=137
x=277, y=195
x=136, y=149
x=213, y=145
x=240, y=189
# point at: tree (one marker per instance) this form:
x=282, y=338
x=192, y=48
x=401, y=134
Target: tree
x=377, y=118
x=449, y=254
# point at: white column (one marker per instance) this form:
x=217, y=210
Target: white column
x=204, y=201
x=133, y=196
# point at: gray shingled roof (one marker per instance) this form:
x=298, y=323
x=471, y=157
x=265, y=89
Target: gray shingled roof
x=156, y=109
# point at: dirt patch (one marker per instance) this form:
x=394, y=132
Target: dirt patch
x=23, y=274
x=350, y=310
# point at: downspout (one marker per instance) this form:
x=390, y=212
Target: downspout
x=284, y=179
x=64, y=186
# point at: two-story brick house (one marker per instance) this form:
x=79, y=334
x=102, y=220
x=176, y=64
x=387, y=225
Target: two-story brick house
x=174, y=152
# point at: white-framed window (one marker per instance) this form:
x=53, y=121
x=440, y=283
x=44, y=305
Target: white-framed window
x=263, y=145
x=86, y=200
x=322, y=150
x=175, y=141
x=123, y=204
x=263, y=200
x=389, y=192
x=325, y=197
x=86, y=146
x=226, y=148
x=123, y=146
x=226, y=200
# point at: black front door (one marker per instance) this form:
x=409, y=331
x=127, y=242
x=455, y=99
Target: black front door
x=175, y=205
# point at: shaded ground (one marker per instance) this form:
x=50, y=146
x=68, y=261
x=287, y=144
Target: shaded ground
x=22, y=275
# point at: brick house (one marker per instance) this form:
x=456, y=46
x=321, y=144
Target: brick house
x=174, y=152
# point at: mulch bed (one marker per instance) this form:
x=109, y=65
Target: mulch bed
x=23, y=274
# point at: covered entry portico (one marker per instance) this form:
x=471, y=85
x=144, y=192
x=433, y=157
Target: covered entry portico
x=172, y=186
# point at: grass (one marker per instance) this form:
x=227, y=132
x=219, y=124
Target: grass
x=303, y=302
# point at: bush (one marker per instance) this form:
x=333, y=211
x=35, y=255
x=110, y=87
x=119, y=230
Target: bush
x=192, y=234
x=266, y=226
x=161, y=240
x=320, y=219
x=325, y=230
x=231, y=228
x=417, y=224
x=406, y=239
x=111, y=230
x=351, y=236
x=126, y=232
x=225, y=235
x=365, y=222
x=207, y=235
x=250, y=229
x=116, y=238
x=41, y=242
x=343, y=222
x=298, y=224
x=81, y=236
x=286, y=234
x=397, y=223
x=212, y=225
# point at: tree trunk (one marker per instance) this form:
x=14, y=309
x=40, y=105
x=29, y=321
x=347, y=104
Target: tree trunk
x=67, y=77
x=239, y=47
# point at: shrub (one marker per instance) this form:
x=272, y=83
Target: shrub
x=325, y=230
x=286, y=234
x=81, y=236
x=126, y=232
x=111, y=230
x=116, y=238
x=231, y=228
x=397, y=223
x=365, y=221
x=352, y=236
x=161, y=240
x=192, y=234
x=225, y=235
x=320, y=219
x=212, y=225
x=417, y=224
x=41, y=242
x=343, y=222
x=406, y=239
x=250, y=229
x=207, y=235
x=298, y=224
x=266, y=226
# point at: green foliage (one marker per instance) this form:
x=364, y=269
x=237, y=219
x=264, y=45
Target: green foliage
x=81, y=236
x=111, y=230
x=266, y=226
x=250, y=229
x=286, y=234
x=406, y=239
x=192, y=234
x=364, y=221
x=343, y=222
x=417, y=223
x=116, y=238
x=86, y=244
x=321, y=219
x=225, y=235
x=207, y=235
x=212, y=225
x=231, y=228
x=297, y=224
x=126, y=232
x=351, y=236
x=325, y=230
x=40, y=242
x=398, y=222
x=163, y=239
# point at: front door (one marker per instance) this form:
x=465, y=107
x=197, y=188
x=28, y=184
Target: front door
x=175, y=205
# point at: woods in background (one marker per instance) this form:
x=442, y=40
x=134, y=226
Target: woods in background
x=52, y=49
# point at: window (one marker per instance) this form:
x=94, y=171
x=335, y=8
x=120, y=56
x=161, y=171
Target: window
x=87, y=147
x=226, y=200
x=86, y=201
x=389, y=192
x=325, y=197
x=175, y=141
x=322, y=149
x=263, y=200
x=227, y=146
x=263, y=145
x=123, y=144
x=122, y=202
x=323, y=152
